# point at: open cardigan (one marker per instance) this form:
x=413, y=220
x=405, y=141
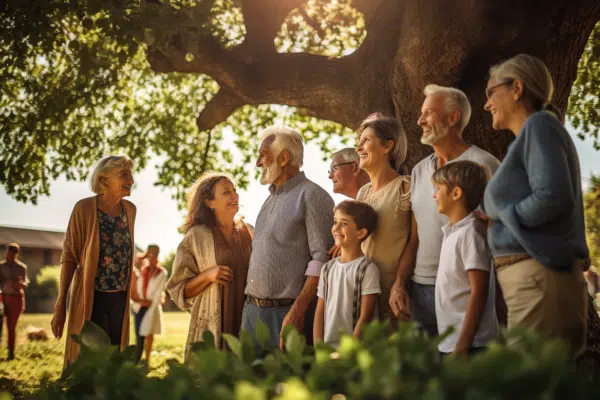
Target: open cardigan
x=82, y=248
x=196, y=254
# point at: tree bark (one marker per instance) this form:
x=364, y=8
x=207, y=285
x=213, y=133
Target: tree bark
x=409, y=44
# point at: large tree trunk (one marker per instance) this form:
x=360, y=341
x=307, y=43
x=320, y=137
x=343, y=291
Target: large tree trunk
x=409, y=44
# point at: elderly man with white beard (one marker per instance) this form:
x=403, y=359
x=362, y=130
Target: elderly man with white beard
x=444, y=115
x=291, y=240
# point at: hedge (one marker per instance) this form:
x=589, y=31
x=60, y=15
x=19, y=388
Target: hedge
x=405, y=364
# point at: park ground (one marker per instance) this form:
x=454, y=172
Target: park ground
x=35, y=360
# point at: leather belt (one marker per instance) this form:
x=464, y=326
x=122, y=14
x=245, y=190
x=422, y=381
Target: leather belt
x=503, y=261
x=270, y=302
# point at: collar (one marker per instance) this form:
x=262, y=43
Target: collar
x=288, y=185
x=449, y=228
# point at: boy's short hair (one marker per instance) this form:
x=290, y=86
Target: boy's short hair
x=365, y=217
x=471, y=177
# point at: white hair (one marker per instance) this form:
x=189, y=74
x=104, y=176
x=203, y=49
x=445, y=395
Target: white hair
x=455, y=99
x=347, y=155
x=285, y=139
x=104, y=167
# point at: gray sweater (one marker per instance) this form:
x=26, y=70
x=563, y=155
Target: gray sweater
x=535, y=197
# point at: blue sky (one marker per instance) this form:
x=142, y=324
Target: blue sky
x=158, y=216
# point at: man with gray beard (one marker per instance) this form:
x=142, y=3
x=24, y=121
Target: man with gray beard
x=291, y=240
x=444, y=115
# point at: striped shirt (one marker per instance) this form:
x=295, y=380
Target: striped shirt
x=291, y=239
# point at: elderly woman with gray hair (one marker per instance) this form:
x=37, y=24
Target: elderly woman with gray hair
x=98, y=258
x=382, y=149
x=535, y=204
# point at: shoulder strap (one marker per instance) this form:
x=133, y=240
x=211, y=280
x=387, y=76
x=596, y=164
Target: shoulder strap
x=360, y=275
x=326, y=269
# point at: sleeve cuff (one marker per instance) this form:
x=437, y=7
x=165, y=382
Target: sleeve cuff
x=314, y=268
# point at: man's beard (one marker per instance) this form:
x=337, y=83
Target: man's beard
x=270, y=174
x=438, y=131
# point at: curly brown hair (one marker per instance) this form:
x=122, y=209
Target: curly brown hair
x=202, y=190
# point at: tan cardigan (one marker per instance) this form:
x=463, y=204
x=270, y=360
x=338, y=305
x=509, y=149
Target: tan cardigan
x=81, y=247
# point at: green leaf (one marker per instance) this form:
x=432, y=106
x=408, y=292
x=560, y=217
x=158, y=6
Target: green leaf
x=233, y=343
x=93, y=337
x=208, y=338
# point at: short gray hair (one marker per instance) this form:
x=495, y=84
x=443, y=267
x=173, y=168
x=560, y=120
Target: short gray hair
x=347, y=154
x=455, y=100
x=104, y=167
x=286, y=139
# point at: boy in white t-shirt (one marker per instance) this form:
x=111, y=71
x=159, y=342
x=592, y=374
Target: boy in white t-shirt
x=464, y=288
x=349, y=284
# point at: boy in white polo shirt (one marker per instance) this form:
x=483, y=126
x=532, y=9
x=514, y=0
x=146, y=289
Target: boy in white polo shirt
x=464, y=289
x=349, y=285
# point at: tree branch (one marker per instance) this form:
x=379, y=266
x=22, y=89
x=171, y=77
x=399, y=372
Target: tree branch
x=263, y=19
x=218, y=109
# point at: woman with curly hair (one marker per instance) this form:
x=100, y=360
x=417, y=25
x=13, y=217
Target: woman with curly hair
x=211, y=263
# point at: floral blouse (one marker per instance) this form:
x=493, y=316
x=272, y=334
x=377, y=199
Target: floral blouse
x=114, y=260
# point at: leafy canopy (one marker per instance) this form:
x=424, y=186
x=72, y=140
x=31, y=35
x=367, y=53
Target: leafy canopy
x=76, y=85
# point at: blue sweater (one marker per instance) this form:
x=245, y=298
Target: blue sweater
x=535, y=197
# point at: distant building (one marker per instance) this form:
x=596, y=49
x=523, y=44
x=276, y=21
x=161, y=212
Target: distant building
x=39, y=247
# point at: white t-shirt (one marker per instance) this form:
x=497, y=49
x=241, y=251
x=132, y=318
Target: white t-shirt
x=424, y=207
x=341, y=284
x=463, y=248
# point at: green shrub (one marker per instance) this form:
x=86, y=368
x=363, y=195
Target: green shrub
x=404, y=365
x=45, y=283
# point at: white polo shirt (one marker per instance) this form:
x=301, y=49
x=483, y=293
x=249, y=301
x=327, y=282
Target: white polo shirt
x=464, y=247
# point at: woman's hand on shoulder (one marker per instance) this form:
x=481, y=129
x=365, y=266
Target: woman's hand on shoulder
x=221, y=274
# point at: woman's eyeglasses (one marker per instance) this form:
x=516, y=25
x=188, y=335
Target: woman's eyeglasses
x=490, y=91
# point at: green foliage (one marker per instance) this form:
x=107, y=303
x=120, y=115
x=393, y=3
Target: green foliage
x=76, y=85
x=404, y=365
x=168, y=263
x=584, y=102
x=45, y=284
x=592, y=219
x=331, y=28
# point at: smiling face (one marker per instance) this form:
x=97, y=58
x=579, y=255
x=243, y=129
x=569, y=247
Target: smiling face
x=271, y=169
x=342, y=174
x=344, y=230
x=226, y=199
x=501, y=102
x=119, y=182
x=433, y=119
x=371, y=151
x=447, y=199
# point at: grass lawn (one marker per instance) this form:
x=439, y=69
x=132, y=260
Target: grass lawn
x=35, y=360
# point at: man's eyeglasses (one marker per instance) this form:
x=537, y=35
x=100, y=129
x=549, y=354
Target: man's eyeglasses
x=336, y=166
x=490, y=91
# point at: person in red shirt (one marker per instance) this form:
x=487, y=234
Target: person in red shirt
x=13, y=281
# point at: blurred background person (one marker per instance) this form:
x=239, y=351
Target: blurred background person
x=147, y=295
x=13, y=281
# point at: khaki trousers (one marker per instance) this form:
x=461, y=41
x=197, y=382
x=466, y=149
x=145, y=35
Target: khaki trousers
x=553, y=303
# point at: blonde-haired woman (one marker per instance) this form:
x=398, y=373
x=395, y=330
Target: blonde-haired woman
x=535, y=202
x=211, y=264
x=382, y=149
x=98, y=258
